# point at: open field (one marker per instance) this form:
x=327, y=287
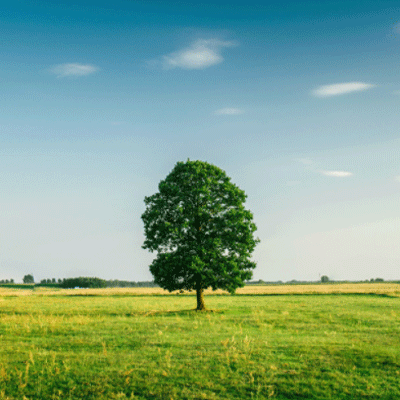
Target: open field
x=133, y=343
x=390, y=289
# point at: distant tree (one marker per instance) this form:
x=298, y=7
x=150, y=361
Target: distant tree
x=379, y=280
x=53, y=280
x=28, y=279
x=117, y=283
x=83, y=282
x=11, y=280
x=59, y=280
x=43, y=281
x=201, y=231
x=324, y=278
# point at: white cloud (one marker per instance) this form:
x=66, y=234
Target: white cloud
x=73, y=69
x=341, y=88
x=201, y=54
x=229, y=111
x=397, y=178
x=339, y=174
x=309, y=165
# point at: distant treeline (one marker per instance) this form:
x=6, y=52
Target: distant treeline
x=295, y=282
x=117, y=283
x=85, y=282
x=7, y=281
x=90, y=282
x=82, y=282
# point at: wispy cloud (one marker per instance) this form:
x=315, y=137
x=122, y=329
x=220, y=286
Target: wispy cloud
x=201, y=54
x=338, y=89
x=397, y=178
x=310, y=166
x=228, y=111
x=73, y=69
x=339, y=174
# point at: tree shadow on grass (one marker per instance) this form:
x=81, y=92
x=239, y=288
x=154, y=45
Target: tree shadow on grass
x=191, y=311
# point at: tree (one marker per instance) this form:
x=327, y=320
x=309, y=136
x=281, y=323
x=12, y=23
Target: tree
x=324, y=278
x=28, y=279
x=83, y=282
x=201, y=231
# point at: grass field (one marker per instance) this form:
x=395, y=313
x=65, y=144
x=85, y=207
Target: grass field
x=140, y=344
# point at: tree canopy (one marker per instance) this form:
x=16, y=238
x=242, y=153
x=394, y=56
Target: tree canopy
x=201, y=231
x=83, y=282
x=28, y=279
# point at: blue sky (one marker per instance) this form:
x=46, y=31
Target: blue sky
x=297, y=101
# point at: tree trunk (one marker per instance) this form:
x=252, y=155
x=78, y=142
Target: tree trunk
x=200, y=297
x=199, y=289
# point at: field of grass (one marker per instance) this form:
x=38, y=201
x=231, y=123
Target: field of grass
x=387, y=288
x=140, y=344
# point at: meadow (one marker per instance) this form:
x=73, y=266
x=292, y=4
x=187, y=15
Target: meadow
x=266, y=342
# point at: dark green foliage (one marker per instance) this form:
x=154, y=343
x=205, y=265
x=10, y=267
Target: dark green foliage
x=324, y=278
x=28, y=279
x=83, y=282
x=48, y=285
x=200, y=229
x=17, y=286
x=118, y=283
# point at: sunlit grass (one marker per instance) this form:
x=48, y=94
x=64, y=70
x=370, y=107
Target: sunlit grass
x=128, y=343
x=391, y=289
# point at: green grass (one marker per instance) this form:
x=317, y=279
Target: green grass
x=155, y=347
